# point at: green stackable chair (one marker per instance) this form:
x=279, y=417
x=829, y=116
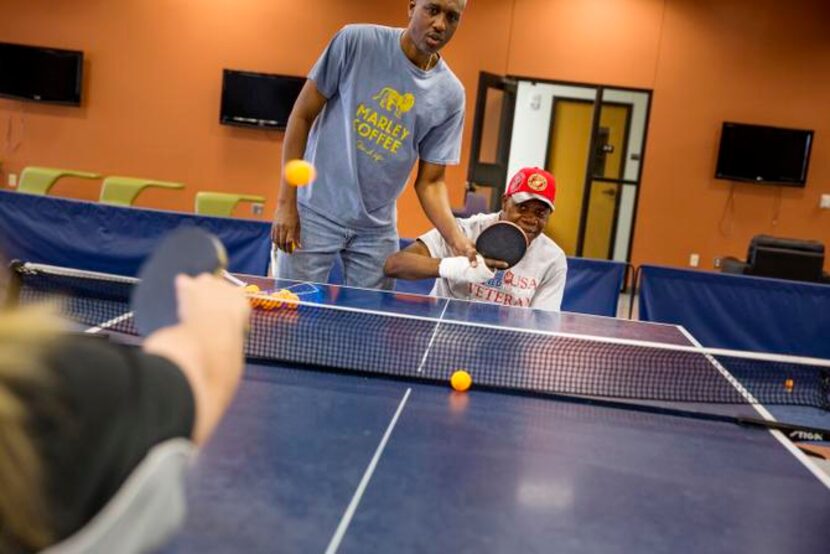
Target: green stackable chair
x=38, y=180
x=221, y=204
x=122, y=191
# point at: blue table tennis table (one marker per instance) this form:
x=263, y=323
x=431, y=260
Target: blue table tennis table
x=319, y=461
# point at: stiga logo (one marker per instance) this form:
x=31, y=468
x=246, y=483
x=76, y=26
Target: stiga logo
x=806, y=436
x=393, y=101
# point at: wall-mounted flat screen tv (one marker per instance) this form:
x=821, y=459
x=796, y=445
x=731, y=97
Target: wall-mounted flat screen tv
x=258, y=99
x=763, y=154
x=41, y=74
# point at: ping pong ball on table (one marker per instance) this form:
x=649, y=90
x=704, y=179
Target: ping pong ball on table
x=299, y=173
x=461, y=380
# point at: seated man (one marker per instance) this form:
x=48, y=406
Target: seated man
x=537, y=281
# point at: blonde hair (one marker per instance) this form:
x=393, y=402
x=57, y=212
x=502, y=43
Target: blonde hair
x=25, y=335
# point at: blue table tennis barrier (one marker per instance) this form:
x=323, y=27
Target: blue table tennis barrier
x=739, y=311
x=113, y=239
x=593, y=286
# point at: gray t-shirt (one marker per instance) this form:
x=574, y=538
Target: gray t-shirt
x=537, y=281
x=382, y=114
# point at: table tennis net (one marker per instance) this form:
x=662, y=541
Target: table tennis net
x=429, y=349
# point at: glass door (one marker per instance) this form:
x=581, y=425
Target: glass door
x=613, y=174
x=591, y=137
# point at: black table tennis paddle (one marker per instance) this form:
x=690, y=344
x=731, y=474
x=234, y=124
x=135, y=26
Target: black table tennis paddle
x=187, y=250
x=503, y=241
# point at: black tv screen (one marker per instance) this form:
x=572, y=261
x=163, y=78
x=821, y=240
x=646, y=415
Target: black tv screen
x=258, y=99
x=762, y=154
x=41, y=74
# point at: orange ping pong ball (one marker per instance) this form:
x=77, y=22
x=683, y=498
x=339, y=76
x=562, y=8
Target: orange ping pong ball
x=461, y=380
x=789, y=384
x=299, y=173
x=252, y=289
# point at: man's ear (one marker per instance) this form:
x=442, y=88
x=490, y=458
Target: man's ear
x=411, y=8
x=503, y=208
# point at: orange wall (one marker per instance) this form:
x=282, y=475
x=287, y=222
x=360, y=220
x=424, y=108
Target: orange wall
x=154, y=76
x=756, y=61
x=763, y=61
x=153, y=84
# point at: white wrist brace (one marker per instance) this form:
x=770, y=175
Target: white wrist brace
x=459, y=270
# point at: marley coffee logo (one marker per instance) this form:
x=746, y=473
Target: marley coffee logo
x=537, y=182
x=393, y=101
x=380, y=132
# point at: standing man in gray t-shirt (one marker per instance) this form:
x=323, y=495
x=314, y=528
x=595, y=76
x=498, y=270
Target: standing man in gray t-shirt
x=377, y=100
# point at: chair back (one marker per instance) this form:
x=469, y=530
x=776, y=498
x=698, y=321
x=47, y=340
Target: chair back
x=797, y=260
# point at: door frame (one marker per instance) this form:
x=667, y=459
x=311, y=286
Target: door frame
x=484, y=174
x=620, y=182
x=636, y=183
x=590, y=177
x=494, y=175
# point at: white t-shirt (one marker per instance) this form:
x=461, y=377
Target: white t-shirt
x=537, y=281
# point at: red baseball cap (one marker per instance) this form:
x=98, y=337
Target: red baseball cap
x=532, y=183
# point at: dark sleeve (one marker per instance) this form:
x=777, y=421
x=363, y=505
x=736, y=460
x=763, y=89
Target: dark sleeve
x=115, y=403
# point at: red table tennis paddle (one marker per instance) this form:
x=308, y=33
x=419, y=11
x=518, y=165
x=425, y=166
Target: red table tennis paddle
x=503, y=241
x=187, y=250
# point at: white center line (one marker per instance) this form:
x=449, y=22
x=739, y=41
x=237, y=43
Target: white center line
x=432, y=339
x=334, y=544
x=108, y=324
